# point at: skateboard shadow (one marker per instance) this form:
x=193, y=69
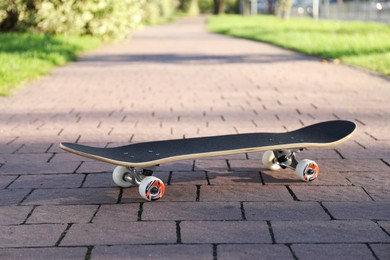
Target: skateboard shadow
x=284, y=177
x=262, y=176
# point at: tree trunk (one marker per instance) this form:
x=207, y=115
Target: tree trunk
x=10, y=21
x=219, y=7
x=284, y=8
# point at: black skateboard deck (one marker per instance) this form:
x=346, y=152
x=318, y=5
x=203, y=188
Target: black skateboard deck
x=147, y=154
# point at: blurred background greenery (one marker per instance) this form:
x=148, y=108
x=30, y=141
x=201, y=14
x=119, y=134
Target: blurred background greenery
x=36, y=35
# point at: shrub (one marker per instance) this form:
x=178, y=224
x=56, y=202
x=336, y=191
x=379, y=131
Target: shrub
x=105, y=18
x=156, y=11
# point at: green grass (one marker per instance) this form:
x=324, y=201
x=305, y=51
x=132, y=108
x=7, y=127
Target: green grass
x=357, y=43
x=24, y=57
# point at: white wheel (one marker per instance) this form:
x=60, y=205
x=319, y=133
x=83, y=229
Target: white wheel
x=151, y=188
x=307, y=170
x=269, y=161
x=118, y=177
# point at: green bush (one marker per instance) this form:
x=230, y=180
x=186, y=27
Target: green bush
x=190, y=7
x=206, y=6
x=104, y=18
x=156, y=11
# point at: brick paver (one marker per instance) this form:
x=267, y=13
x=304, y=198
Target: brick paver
x=178, y=81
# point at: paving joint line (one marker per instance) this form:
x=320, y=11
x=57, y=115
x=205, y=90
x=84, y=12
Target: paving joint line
x=95, y=213
x=9, y=184
x=271, y=232
x=292, y=251
x=385, y=162
x=178, y=232
x=63, y=234
x=243, y=214
x=372, y=251
x=198, y=187
x=29, y=215
x=88, y=254
x=140, y=211
x=215, y=251
x=25, y=197
x=326, y=210
x=291, y=192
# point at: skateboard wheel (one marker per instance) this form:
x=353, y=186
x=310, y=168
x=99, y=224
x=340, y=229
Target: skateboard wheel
x=269, y=161
x=151, y=188
x=118, y=177
x=307, y=170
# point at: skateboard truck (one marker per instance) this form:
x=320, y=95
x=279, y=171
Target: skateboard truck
x=287, y=158
x=149, y=187
x=136, y=175
x=306, y=170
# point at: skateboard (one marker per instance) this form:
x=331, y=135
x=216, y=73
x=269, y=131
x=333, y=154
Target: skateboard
x=136, y=162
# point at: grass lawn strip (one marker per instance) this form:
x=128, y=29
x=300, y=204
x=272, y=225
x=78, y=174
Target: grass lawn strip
x=357, y=43
x=24, y=57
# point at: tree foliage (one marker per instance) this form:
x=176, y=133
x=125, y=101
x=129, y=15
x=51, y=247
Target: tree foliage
x=105, y=18
x=155, y=11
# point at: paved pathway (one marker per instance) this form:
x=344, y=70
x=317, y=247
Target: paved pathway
x=175, y=81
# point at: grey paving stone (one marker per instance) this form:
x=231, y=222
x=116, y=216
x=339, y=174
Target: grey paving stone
x=385, y=225
x=25, y=158
x=247, y=192
x=292, y=210
x=246, y=165
x=224, y=232
x=338, y=231
x=14, y=215
x=48, y=181
x=188, y=178
x=6, y=180
x=378, y=193
x=62, y=214
x=73, y=196
x=40, y=168
x=8, y=148
x=186, y=165
x=353, y=165
x=253, y=251
x=153, y=251
x=43, y=253
x=192, y=211
x=62, y=156
x=330, y=193
x=359, y=210
x=30, y=235
x=29, y=148
x=364, y=179
x=115, y=233
x=95, y=167
x=381, y=250
x=233, y=177
x=288, y=177
x=11, y=197
x=333, y=251
x=211, y=165
x=98, y=180
x=117, y=213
